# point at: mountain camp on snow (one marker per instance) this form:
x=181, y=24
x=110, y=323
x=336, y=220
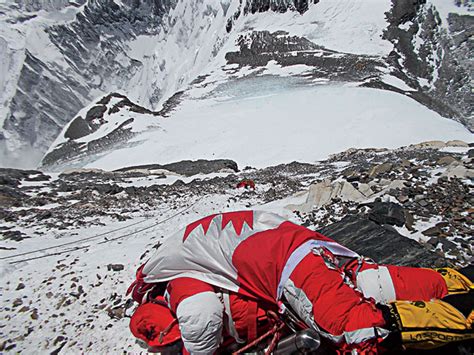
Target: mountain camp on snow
x=124, y=121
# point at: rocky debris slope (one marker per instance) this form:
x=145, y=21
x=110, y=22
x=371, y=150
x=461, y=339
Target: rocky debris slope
x=429, y=191
x=409, y=206
x=257, y=48
x=424, y=189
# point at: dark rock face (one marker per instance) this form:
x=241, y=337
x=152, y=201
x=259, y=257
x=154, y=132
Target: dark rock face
x=30, y=117
x=77, y=129
x=254, y=6
x=451, y=74
x=381, y=244
x=95, y=118
x=257, y=48
x=189, y=167
x=387, y=213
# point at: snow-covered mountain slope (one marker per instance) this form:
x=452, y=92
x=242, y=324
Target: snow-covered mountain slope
x=274, y=98
x=112, y=121
x=287, y=121
x=63, y=55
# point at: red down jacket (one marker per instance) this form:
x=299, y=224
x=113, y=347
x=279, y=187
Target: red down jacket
x=259, y=256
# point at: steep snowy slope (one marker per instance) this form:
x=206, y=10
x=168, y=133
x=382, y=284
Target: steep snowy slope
x=280, y=90
x=59, y=62
x=63, y=55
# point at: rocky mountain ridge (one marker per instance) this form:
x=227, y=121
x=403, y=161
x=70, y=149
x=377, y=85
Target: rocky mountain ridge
x=413, y=181
x=434, y=54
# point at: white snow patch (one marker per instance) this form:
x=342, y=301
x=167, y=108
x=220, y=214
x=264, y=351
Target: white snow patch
x=396, y=82
x=424, y=82
x=455, y=149
x=445, y=7
x=304, y=124
x=351, y=26
x=274, y=68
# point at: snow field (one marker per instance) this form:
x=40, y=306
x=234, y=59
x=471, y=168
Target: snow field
x=280, y=126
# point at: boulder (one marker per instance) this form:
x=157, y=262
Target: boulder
x=380, y=169
x=446, y=160
x=115, y=267
x=365, y=189
x=383, y=245
x=387, y=213
x=458, y=171
x=432, y=231
x=457, y=143
x=430, y=144
x=324, y=192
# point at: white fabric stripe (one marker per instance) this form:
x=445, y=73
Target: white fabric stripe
x=364, y=334
x=386, y=282
x=338, y=249
x=377, y=284
x=294, y=259
x=299, y=253
x=230, y=326
x=215, y=280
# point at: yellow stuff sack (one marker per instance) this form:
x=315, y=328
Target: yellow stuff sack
x=455, y=281
x=426, y=325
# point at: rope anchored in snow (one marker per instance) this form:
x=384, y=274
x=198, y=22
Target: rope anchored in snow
x=73, y=242
x=96, y=236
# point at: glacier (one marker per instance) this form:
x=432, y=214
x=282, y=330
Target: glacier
x=60, y=56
